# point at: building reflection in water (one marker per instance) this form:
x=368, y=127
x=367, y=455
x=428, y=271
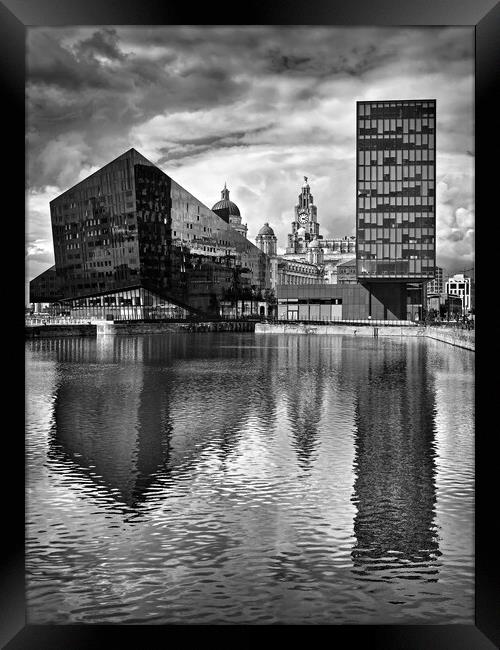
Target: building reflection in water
x=132, y=410
x=111, y=419
x=394, y=488
x=304, y=390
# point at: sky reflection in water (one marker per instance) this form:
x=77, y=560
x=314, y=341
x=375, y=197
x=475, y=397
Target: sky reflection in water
x=249, y=479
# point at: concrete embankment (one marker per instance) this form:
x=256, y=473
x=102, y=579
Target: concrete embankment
x=353, y=330
x=55, y=331
x=457, y=337
x=461, y=338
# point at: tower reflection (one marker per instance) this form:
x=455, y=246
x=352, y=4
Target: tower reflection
x=304, y=390
x=394, y=488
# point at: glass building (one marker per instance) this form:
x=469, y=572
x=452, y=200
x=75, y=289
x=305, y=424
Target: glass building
x=396, y=189
x=129, y=240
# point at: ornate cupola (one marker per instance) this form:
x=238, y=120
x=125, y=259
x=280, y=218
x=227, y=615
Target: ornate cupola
x=266, y=240
x=229, y=211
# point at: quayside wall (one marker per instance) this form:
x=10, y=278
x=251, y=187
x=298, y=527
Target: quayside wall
x=460, y=338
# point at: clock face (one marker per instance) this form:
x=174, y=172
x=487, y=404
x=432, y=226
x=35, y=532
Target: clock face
x=303, y=217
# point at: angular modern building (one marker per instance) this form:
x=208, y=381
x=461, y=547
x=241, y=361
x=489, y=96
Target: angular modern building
x=396, y=189
x=131, y=243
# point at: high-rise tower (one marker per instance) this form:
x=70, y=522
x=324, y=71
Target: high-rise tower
x=396, y=202
x=396, y=190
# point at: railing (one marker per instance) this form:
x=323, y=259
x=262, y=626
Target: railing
x=361, y=322
x=454, y=325
x=36, y=321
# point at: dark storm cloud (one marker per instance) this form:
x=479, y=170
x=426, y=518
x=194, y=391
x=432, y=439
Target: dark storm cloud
x=71, y=90
x=103, y=42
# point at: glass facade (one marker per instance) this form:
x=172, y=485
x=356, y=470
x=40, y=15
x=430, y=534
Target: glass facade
x=396, y=188
x=45, y=287
x=129, y=224
x=135, y=303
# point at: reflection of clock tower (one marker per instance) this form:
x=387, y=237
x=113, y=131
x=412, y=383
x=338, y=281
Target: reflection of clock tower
x=305, y=226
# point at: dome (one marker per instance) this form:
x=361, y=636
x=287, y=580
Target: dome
x=226, y=208
x=266, y=230
x=301, y=231
x=315, y=244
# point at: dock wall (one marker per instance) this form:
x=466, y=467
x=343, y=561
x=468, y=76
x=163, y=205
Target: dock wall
x=460, y=338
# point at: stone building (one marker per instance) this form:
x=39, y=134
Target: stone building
x=309, y=258
x=305, y=243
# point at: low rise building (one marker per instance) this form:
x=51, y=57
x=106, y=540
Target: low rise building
x=346, y=272
x=460, y=285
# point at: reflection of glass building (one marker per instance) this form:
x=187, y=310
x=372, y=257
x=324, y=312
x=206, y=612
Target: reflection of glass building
x=130, y=226
x=128, y=421
x=395, y=467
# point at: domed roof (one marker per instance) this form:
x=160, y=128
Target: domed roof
x=226, y=208
x=315, y=244
x=232, y=208
x=301, y=231
x=266, y=230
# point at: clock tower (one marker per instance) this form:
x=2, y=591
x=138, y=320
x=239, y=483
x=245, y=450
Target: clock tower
x=305, y=226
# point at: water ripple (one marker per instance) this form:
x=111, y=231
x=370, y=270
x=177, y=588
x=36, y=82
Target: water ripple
x=219, y=478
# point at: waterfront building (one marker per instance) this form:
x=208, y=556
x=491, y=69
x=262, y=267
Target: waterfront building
x=336, y=302
x=461, y=285
x=306, y=243
x=305, y=226
x=230, y=212
x=437, y=284
x=44, y=289
x=395, y=186
x=395, y=222
x=286, y=270
x=293, y=272
x=130, y=242
x=309, y=258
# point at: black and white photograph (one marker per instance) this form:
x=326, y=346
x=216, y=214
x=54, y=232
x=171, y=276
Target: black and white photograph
x=250, y=325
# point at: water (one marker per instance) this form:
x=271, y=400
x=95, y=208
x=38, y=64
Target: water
x=243, y=478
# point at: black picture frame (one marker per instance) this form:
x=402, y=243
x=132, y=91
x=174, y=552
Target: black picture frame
x=15, y=17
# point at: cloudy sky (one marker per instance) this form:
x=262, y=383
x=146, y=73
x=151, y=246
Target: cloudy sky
x=256, y=107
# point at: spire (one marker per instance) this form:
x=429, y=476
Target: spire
x=225, y=193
